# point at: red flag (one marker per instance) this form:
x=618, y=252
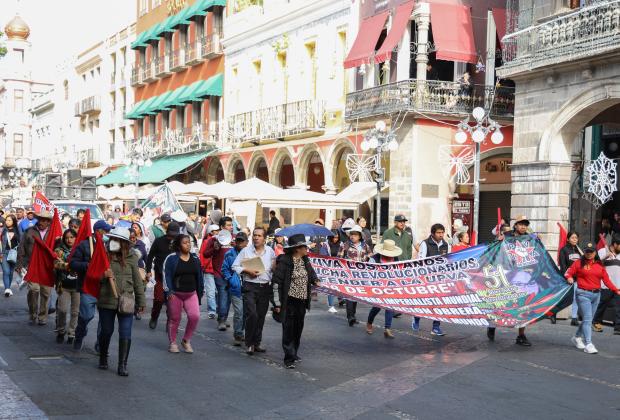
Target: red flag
x=41, y=203
x=562, y=240
x=41, y=266
x=98, y=265
x=54, y=232
x=473, y=239
x=601, y=242
x=84, y=232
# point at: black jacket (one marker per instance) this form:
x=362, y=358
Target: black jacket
x=568, y=255
x=282, y=279
x=80, y=260
x=160, y=249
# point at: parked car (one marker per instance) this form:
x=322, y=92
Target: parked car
x=71, y=207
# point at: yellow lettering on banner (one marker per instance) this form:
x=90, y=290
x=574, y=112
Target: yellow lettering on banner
x=497, y=275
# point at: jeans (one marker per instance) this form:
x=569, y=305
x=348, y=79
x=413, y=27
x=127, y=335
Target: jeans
x=435, y=323
x=388, y=316
x=292, y=327
x=574, y=310
x=178, y=302
x=7, y=272
x=107, y=316
x=331, y=300
x=88, y=304
x=255, y=305
x=238, y=321
x=587, y=301
x=223, y=299
x=209, y=281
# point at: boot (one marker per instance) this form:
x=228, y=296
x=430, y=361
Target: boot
x=124, y=345
x=104, y=344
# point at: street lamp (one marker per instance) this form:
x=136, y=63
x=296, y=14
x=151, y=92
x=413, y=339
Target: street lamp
x=138, y=158
x=380, y=140
x=483, y=125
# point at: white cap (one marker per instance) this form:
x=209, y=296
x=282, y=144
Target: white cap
x=211, y=228
x=348, y=224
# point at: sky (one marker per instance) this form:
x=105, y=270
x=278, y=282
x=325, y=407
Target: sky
x=60, y=29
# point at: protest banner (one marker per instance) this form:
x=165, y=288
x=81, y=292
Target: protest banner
x=42, y=203
x=509, y=283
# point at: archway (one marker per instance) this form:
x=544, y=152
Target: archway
x=258, y=167
x=215, y=171
x=338, y=163
x=283, y=172
x=235, y=170
x=315, y=173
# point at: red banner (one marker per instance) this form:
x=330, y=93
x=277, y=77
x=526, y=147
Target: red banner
x=41, y=203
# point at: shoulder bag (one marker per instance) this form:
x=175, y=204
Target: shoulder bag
x=126, y=302
x=12, y=254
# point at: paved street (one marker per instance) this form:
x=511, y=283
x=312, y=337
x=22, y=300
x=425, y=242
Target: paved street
x=344, y=374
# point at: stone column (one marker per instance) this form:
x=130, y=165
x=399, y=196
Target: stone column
x=422, y=15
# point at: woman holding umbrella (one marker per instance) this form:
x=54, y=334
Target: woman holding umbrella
x=294, y=276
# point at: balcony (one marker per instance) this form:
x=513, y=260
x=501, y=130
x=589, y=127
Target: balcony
x=149, y=71
x=88, y=106
x=176, y=142
x=212, y=46
x=177, y=60
x=431, y=96
x=163, y=66
x=277, y=122
x=194, y=53
x=137, y=76
x=582, y=34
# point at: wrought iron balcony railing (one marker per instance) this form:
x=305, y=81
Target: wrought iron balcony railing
x=137, y=76
x=276, y=122
x=90, y=105
x=194, y=53
x=430, y=96
x=212, y=45
x=175, y=142
x=586, y=32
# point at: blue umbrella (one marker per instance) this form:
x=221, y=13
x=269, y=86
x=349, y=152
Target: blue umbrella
x=306, y=229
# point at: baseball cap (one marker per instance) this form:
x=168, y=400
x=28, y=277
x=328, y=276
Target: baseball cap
x=29, y=209
x=400, y=218
x=212, y=228
x=173, y=229
x=241, y=237
x=102, y=225
x=589, y=247
x=165, y=218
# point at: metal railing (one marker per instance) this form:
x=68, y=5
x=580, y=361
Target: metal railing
x=212, y=45
x=177, y=59
x=429, y=96
x=583, y=33
x=275, y=122
x=176, y=141
x=137, y=75
x=194, y=52
x=92, y=104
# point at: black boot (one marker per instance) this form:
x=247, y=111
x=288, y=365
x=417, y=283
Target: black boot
x=104, y=344
x=124, y=345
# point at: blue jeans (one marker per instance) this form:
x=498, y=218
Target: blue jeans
x=574, y=307
x=209, y=281
x=7, y=272
x=388, y=316
x=435, y=323
x=88, y=304
x=331, y=300
x=223, y=299
x=107, y=316
x=238, y=321
x=588, y=302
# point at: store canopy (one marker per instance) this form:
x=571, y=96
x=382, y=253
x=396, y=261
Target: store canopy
x=359, y=192
x=159, y=171
x=213, y=86
x=453, y=32
x=400, y=20
x=183, y=17
x=154, y=33
x=134, y=114
x=367, y=36
x=139, y=42
x=499, y=16
x=159, y=104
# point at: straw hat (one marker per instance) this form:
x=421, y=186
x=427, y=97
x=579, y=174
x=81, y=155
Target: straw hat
x=44, y=214
x=388, y=248
x=522, y=219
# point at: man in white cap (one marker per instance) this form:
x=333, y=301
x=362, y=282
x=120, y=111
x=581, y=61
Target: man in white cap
x=38, y=294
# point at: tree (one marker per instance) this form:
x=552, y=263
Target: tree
x=2, y=47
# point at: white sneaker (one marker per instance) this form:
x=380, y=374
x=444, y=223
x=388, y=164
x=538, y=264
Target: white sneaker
x=332, y=310
x=578, y=342
x=590, y=349
x=8, y=293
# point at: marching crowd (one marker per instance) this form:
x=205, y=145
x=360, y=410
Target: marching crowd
x=187, y=258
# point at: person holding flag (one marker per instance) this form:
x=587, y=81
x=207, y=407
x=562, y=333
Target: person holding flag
x=66, y=285
x=38, y=293
x=79, y=260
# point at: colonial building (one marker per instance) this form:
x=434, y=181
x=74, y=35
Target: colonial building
x=563, y=56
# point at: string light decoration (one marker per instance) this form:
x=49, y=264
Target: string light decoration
x=361, y=167
x=455, y=162
x=601, y=180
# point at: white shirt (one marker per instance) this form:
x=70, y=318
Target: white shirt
x=422, y=252
x=612, y=265
x=268, y=257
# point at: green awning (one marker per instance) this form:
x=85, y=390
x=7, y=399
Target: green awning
x=147, y=107
x=174, y=99
x=213, y=86
x=135, y=111
x=215, y=3
x=198, y=9
x=189, y=94
x=182, y=18
x=158, y=172
x=167, y=25
x=139, y=42
x=154, y=32
x=159, y=104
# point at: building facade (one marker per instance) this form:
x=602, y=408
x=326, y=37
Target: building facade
x=563, y=56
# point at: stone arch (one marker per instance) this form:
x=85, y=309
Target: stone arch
x=282, y=168
x=235, y=171
x=557, y=139
x=309, y=153
x=215, y=171
x=336, y=163
x=258, y=166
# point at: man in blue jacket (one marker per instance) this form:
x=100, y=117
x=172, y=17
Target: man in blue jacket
x=234, y=283
x=79, y=263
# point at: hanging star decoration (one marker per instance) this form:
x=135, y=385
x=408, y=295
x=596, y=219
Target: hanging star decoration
x=601, y=180
x=360, y=167
x=455, y=161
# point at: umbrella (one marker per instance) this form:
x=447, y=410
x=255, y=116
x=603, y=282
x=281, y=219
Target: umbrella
x=306, y=229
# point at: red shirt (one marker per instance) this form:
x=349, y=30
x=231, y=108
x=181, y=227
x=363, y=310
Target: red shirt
x=590, y=275
x=459, y=247
x=216, y=256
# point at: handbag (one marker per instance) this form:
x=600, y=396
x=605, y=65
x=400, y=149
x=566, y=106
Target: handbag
x=11, y=256
x=126, y=303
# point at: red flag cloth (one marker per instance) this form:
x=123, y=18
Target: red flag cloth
x=41, y=203
x=601, y=242
x=98, y=265
x=54, y=232
x=84, y=232
x=562, y=240
x=473, y=238
x=41, y=266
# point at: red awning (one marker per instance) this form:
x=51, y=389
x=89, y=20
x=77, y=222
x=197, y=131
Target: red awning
x=399, y=24
x=366, y=41
x=453, y=32
x=499, y=16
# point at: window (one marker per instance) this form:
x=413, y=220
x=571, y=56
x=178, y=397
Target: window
x=20, y=55
x=98, y=71
x=18, y=104
x=66, y=86
x=97, y=123
x=18, y=144
x=143, y=7
x=84, y=77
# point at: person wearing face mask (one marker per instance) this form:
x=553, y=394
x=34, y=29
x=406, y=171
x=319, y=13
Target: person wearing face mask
x=38, y=295
x=79, y=264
